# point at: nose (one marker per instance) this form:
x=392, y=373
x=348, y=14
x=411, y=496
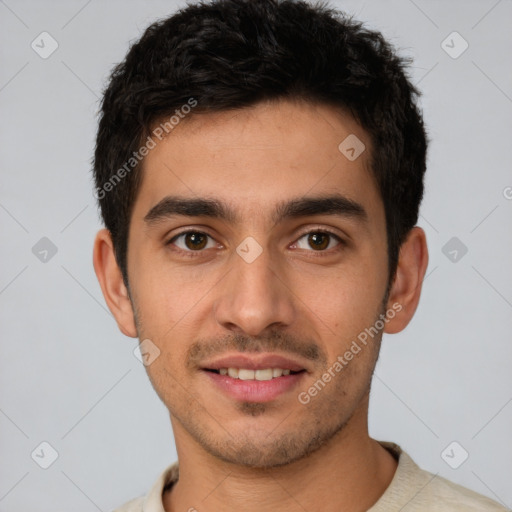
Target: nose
x=254, y=297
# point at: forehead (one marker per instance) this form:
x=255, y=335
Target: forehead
x=252, y=159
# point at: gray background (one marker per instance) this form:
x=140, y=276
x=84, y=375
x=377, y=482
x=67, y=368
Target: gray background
x=68, y=377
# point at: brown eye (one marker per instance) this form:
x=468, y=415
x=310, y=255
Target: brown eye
x=195, y=240
x=319, y=241
x=191, y=241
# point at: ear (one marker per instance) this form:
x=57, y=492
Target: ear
x=406, y=288
x=112, y=285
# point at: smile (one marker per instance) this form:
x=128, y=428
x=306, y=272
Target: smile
x=248, y=374
x=247, y=385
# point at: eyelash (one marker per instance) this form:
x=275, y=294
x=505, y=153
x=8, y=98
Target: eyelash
x=323, y=231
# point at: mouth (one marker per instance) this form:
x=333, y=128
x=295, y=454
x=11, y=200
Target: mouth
x=255, y=379
x=259, y=375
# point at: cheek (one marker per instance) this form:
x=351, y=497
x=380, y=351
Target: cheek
x=165, y=292
x=342, y=307
x=166, y=380
x=345, y=297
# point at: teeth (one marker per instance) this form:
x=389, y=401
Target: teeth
x=246, y=374
x=266, y=374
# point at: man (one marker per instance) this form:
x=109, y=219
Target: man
x=259, y=167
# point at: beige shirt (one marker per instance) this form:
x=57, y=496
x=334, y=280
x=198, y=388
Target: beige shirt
x=411, y=490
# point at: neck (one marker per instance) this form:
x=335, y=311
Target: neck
x=349, y=473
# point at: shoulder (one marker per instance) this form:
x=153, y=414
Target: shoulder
x=455, y=497
x=152, y=501
x=416, y=490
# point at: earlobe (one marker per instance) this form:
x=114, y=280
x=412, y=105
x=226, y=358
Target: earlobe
x=111, y=281
x=405, y=291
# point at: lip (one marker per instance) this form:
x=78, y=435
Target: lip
x=254, y=390
x=255, y=362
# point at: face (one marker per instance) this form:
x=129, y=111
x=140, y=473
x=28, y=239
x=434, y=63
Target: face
x=257, y=245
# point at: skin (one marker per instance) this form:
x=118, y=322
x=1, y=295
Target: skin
x=280, y=455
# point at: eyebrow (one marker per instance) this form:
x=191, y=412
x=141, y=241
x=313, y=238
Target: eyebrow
x=333, y=204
